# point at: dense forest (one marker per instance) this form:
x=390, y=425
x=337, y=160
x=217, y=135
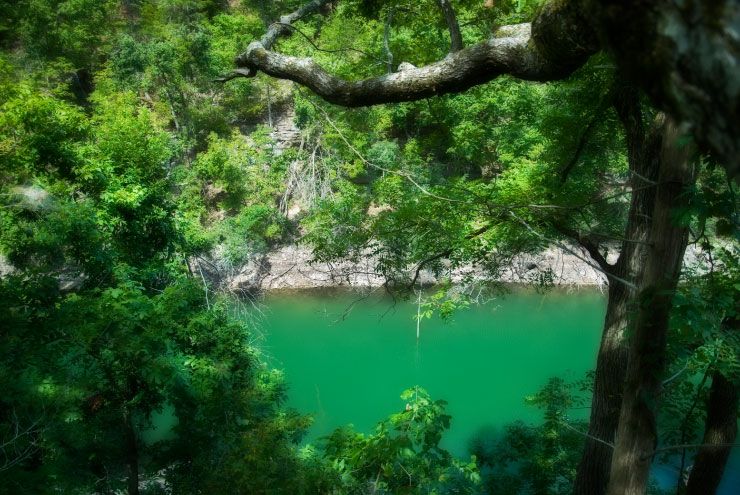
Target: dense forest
x=140, y=145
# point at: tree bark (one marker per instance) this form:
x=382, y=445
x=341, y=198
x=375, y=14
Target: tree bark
x=556, y=43
x=592, y=475
x=636, y=437
x=276, y=30
x=132, y=455
x=131, y=439
x=684, y=55
x=720, y=430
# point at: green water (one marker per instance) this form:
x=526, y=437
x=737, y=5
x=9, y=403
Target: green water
x=347, y=361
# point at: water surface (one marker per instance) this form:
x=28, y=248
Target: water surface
x=347, y=360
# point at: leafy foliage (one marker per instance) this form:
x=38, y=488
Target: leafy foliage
x=402, y=455
x=121, y=159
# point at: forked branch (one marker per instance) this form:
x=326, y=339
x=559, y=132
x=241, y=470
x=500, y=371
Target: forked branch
x=274, y=31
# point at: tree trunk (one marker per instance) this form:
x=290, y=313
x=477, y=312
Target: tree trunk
x=130, y=439
x=132, y=454
x=592, y=475
x=637, y=431
x=593, y=470
x=720, y=430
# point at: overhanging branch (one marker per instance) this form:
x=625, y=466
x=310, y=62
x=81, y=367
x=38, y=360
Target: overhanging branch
x=561, y=38
x=555, y=44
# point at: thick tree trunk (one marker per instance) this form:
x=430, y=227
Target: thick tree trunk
x=592, y=475
x=720, y=430
x=683, y=55
x=593, y=470
x=637, y=431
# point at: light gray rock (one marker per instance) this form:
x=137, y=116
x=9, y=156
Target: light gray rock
x=5, y=267
x=293, y=267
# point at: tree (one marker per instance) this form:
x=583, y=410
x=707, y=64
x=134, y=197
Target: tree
x=103, y=327
x=704, y=344
x=561, y=38
x=402, y=455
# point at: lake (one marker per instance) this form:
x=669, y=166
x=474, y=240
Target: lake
x=347, y=359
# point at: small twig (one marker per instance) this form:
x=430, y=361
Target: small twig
x=418, y=316
x=386, y=40
x=586, y=134
x=326, y=50
x=456, y=41
x=604, y=442
x=667, y=381
x=567, y=249
x=205, y=287
x=378, y=167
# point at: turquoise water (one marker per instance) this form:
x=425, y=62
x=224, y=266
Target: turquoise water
x=348, y=359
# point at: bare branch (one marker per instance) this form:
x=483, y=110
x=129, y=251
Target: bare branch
x=587, y=243
x=456, y=41
x=604, y=442
x=375, y=166
x=593, y=265
x=337, y=50
x=21, y=442
x=689, y=446
x=386, y=41
x=586, y=135
x=443, y=254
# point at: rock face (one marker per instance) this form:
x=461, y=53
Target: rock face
x=292, y=267
x=284, y=130
x=5, y=267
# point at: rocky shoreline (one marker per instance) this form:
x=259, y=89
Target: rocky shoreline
x=293, y=267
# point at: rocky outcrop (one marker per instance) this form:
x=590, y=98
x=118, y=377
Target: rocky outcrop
x=293, y=267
